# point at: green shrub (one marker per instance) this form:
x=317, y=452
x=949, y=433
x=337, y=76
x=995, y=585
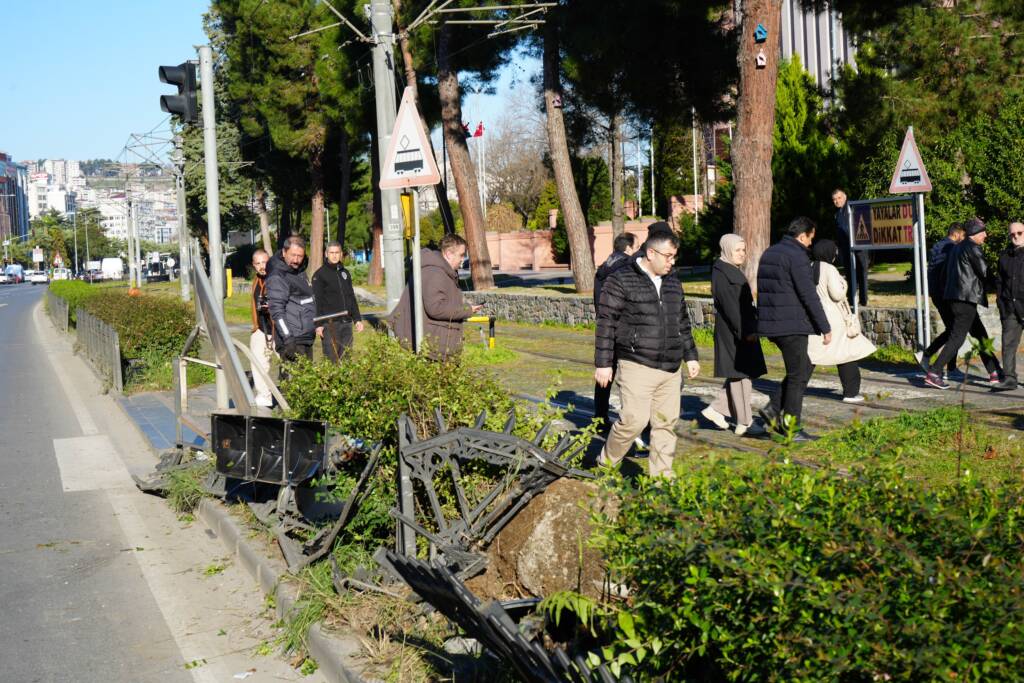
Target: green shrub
x=75, y=292
x=147, y=326
x=769, y=571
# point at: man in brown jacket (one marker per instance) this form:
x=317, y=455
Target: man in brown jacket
x=443, y=307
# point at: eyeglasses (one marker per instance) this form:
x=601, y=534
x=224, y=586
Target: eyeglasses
x=668, y=257
x=1016, y=234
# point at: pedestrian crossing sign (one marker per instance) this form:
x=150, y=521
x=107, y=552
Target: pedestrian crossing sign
x=910, y=174
x=410, y=158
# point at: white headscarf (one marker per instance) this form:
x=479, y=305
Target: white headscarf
x=729, y=244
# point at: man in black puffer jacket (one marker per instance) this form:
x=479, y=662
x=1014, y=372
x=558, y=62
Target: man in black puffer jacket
x=291, y=303
x=1010, y=298
x=332, y=288
x=642, y=323
x=966, y=273
x=788, y=311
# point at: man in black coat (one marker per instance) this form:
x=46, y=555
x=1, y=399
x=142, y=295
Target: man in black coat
x=291, y=303
x=843, y=241
x=623, y=247
x=937, y=259
x=966, y=273
x=643, y=324
x=332, y=288
x=789, y=310
x=1010, y=299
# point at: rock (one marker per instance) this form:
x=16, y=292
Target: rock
x=462, y=646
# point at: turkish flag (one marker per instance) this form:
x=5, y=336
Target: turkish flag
x=479, y=130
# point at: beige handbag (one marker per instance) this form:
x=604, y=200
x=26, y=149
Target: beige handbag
x=851, y=319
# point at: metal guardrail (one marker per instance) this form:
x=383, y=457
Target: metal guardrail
x=57, y=308
x=101, y=345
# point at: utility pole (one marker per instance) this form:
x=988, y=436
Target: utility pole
x=138, y=246
x=130, y=248
x=639, y=176
x=74, y=223
x=212, y=198
x=382, y=23
x=178, y=157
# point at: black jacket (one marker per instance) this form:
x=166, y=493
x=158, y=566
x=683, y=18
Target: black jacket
x=735, y=320
x=965, y=274
x=332, y=288
x=292, y=306
x=843, y=230
x=1010, y=285
x=937, y=259
x=787, y=301
x=616, y=260
x=636, y=323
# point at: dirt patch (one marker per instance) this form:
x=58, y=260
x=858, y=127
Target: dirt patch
x=544, y=548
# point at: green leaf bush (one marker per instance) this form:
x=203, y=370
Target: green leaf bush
x=146, y=325
x=768, y=571
x=75, y=292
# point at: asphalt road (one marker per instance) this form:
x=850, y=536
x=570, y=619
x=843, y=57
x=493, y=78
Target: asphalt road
x=99, y=582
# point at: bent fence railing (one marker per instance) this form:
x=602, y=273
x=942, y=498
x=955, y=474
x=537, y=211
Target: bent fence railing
x=58, y=310
x=101, y=345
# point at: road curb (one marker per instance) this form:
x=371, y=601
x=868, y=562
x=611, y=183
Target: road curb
x=329, y=651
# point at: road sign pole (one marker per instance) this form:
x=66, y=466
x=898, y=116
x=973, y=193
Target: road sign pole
x=183, y=252
x=417, y=274
x=924, y=270
x=853, y=260
x=919, y=313
x=212, y=199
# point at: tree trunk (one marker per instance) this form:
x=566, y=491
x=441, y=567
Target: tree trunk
x=618, y=220
x=376, y=275
x=755, y=121
x=284, y=227
x=261, y=205
x=462, y=166
x=575, y=223
x=345, y=191
x=315, y=252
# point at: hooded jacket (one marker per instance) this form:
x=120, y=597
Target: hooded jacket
x=787, y=301
x=616, y=260
x=292, y=306
x=332, y=288
x=443, y=308
x=636, y=322
x=965, y=274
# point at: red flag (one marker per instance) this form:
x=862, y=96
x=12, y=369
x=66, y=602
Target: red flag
x=479, y=130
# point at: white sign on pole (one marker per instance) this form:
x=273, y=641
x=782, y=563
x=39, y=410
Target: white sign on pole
x=410, y=158
x=910, y=174
x=37, y=255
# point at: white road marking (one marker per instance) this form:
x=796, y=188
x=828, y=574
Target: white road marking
x=90, y=463
x=85, y=421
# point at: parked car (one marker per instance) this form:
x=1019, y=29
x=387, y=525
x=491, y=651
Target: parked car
x=93, y=275
x=15, y=273
x=39, y=277
x=61, y=274
x=3, y=278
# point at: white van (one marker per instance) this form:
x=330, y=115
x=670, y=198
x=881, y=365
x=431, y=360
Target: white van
x=113, y=268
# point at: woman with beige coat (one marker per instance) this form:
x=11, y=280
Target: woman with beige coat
x=849, y=344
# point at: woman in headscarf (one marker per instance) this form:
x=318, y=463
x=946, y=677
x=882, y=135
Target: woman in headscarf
x=848, y=344
x=738, y=356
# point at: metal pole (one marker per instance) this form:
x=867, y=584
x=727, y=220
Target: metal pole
x=654, y=207
x=327, y=221
x=853, y=257
x=417, y=275
x=639, y=178
x=183, y=251
x=138, y=246
x=924, y=270
x=693, y=134
x=74, y=222
x=918, y=276
x=130, y=249
x=212, y=198
x=384, y=89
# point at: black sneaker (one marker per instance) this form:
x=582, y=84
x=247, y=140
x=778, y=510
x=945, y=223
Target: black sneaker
x=804, y=437
x=1007, y=384
x=933, y=380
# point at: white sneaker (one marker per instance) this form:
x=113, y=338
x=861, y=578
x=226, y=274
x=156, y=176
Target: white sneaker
x=715, y=417
x=859, y=398
x=752, y=429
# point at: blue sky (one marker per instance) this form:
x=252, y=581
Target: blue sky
x=80, y=76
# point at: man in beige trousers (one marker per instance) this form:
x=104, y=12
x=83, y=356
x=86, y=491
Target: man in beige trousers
x=643, y=322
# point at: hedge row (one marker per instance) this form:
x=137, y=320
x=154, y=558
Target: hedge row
x=75, y=292
x=773, y=572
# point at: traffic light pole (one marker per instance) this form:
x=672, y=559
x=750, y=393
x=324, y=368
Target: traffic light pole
x=382, y=23
x=212, y=197
x=183, y=256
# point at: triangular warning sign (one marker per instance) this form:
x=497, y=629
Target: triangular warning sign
x=410, y=158
x=910, y=174
x=861, y=234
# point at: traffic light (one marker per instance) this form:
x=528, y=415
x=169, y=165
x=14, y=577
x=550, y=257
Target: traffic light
x=182, y=105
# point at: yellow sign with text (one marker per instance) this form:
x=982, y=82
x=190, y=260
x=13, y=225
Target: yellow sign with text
x=884, y=224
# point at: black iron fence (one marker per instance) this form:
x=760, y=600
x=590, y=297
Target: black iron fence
x=101, y=345
x=58, y=310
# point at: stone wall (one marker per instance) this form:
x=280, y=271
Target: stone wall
x=883, y=326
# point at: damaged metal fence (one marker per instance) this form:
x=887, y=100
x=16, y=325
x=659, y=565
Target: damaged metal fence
x=57, y=308
x=101, y=345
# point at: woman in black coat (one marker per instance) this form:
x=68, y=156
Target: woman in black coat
x=738, y=355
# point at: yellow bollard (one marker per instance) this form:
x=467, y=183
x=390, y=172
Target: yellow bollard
x=227, y=273
x=407, y=213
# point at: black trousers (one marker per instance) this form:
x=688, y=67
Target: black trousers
x=860, y=287
x=337, y=340
x=602, y=396
x=946, y=314
x=1012, y=326
x=289, y=353
x=965, y=321
x=789, y=398
x=849, y=377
